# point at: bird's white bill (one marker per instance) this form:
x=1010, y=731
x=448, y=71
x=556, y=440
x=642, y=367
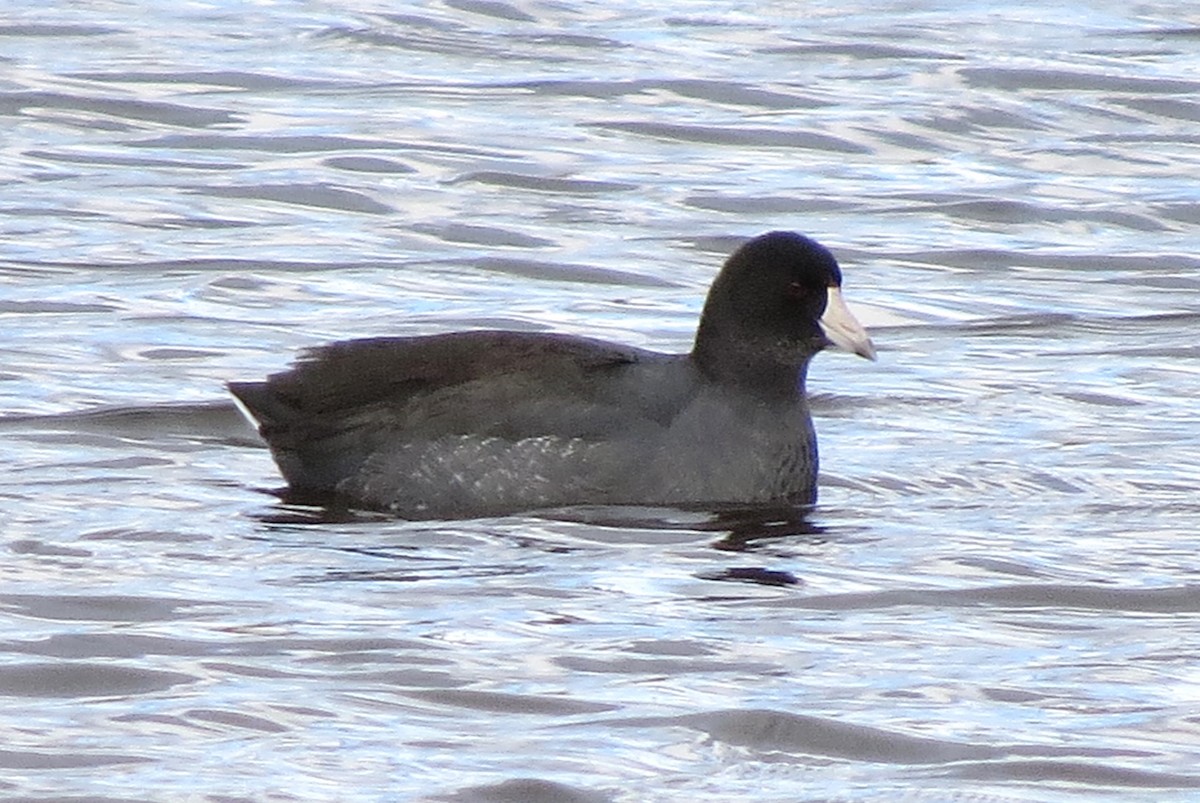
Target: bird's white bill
x=843, y=329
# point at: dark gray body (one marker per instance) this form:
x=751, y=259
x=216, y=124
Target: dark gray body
x=477, y=423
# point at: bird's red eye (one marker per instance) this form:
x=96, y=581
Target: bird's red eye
x=797, y=290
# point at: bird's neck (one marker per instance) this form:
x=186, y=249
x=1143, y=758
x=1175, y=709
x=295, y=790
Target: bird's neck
x=770, y=370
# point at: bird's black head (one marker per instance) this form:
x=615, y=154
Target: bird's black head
x=776, y=302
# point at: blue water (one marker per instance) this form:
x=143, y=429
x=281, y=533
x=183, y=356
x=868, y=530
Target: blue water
x=996, y=597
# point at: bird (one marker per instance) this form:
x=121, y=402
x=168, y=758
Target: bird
x=472, y=424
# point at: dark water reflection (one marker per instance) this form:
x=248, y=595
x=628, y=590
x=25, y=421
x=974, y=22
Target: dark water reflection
x=996, y=597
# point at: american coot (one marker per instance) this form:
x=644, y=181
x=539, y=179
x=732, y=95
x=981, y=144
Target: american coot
x=480, y=423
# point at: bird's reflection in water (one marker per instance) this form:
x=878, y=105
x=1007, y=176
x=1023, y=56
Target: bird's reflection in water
x=746, y=530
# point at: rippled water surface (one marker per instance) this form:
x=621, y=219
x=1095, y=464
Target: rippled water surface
x=997, y=597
